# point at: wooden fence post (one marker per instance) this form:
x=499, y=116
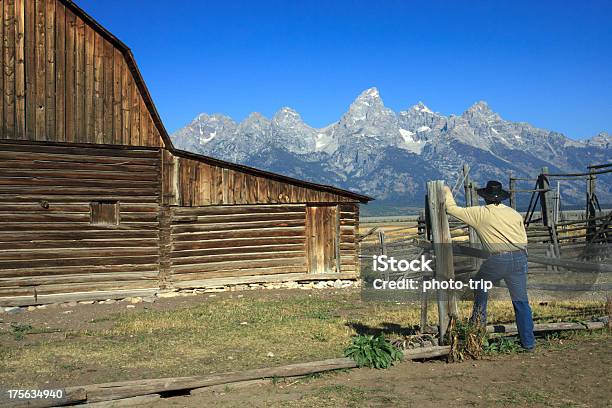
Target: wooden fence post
x=471, y=199
x=609, y=310
x=466, y=185
x=590, y=206
x=548, y=217
x=381, y=240
x=442, y=244
x=383, y=249
x=421, y=225
x=422, y=232
x=512, y=188
x=474, y=193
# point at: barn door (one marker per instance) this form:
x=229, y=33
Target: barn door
x=322, y=236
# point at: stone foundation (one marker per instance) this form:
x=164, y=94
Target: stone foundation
x=305, y=285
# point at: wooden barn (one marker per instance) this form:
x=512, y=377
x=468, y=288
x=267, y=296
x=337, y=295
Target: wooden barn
x=96, y=203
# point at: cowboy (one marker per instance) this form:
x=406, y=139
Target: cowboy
x=502, y=234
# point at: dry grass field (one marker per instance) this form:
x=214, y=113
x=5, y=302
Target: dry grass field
x=202, y=334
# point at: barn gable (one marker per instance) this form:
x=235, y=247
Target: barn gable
x=67, y=79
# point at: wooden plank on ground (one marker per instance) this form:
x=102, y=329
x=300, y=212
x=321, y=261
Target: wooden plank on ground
x=125, y=389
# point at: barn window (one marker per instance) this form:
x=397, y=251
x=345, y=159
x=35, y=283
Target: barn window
x=104, y=212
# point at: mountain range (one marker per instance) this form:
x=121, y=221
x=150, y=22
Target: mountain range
x=390, y=155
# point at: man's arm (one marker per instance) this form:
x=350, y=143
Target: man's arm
x=470, y=215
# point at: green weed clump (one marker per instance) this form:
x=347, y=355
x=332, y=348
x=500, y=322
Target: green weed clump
x=502, y=345
x=373, y=351
x=19, y=330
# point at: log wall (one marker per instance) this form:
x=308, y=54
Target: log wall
x=233, y=241
x=238, y=241
x=63, y=80
x=194, y=183
x=48, y=243
x=349, y=246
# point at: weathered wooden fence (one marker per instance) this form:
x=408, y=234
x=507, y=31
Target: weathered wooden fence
x=565, y=255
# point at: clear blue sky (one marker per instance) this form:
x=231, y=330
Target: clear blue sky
x=545, y=62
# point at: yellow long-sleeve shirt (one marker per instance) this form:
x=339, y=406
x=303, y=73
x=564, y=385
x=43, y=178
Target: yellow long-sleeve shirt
x=499, y=227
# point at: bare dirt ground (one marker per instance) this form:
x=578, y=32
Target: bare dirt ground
x=573, y=372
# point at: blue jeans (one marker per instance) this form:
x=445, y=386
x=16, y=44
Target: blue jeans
x=512, y=268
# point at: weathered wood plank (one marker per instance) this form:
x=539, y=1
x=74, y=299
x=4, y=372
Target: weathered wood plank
x=102, y=156
x=117, y=116
x=95, y=191
x=178, y=228
x=98, y=89
x=205, y=259
x=81, y=82
x=125, y=389
x=26, y=182
x=235, y=250
x=126, y=84
x=125, y=260
x=71, y=198
x=73, y=253
x=107, y=91
x=2, y=88
x=444, y=256
x=236, y=242
x=70, y=82
x=20, y=91
x=60, y=72
x=92, y=243
x=78, y=269
x=135, y=115
x=237, y=234
x=9, y=69
x=30, y=69
x=40, y=73
x=89, y=87
x=194, y=272
x=99, y=174
x=141, y=172
x=22, y=281
x=238, y=209
x=234, y=218
x=143, y=123
x=50, y=91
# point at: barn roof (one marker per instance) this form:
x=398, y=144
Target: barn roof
x=148, y=100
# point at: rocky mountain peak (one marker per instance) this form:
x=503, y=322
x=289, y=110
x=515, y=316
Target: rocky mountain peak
x=256, y=124
x=421, y=107
x=369, y=97
x=481, y=108
x=371, y=92
x=287, y=117
x=256, y=117
x=367, y=117
x=602, y=139
x=480, y=112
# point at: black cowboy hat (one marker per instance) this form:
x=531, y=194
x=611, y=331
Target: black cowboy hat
x=493, y=191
